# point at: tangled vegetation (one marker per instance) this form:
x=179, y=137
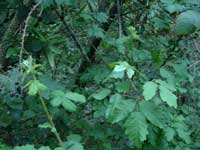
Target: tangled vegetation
x=100, y=75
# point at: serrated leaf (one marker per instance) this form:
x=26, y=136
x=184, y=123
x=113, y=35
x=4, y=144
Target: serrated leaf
x=56, y=101
x=167, y=96
x=103, y=93
x=69, y=105
x=136, y=128
x=152, y=113
x=149, y=90
x=75, y=97
x=58, y=97
x=34, y=87
x=118, y=108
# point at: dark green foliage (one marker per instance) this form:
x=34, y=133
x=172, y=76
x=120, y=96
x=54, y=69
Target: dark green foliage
x=99, y=75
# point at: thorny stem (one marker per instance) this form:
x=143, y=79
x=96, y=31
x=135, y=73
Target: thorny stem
x=24, y=31
x=49, y=117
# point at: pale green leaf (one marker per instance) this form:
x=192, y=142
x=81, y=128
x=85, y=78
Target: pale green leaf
x=25, y=147
x=169, y=86
x=169, y=133
x=58, y=97
x=69, y=105
x=34, y=87
x=167, y=96
x=75, y=97
x=130, y=72
x=72, y=145
x=149, y=90
x=56, y=101
x=74, y=137
x=103, y=93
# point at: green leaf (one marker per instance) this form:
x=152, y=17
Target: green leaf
x=123, y=86
x=166, y=85
x=149, y=90
x=96, y=31
x=74, y=137
x=130, y=72
x=184, y=135
x=51, y=59
x=175, y=8
x=69, y=105
x=136, y=128
x=34, y=87
x=120, y=68
x=56, y=101
x=187, y=22
x=44, y=148
x=152, y=113
x=167, y=96
x=182, y=129
x=168, y=75
x=72, y=145
x=101, y=17
x=169, y=133
x=103, y=93
x=25, y=147
x=118, y=108
x=75, y=97
x=44, y=125
x=58, y=97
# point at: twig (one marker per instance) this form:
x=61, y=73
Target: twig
x=119, y=18
x=25, y=29
x=51, y=121
x=73, y=35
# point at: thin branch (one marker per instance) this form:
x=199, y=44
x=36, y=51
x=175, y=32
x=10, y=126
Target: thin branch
x=49, y=117
x=25, y=29
x=119, y=18
x=73, y=35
